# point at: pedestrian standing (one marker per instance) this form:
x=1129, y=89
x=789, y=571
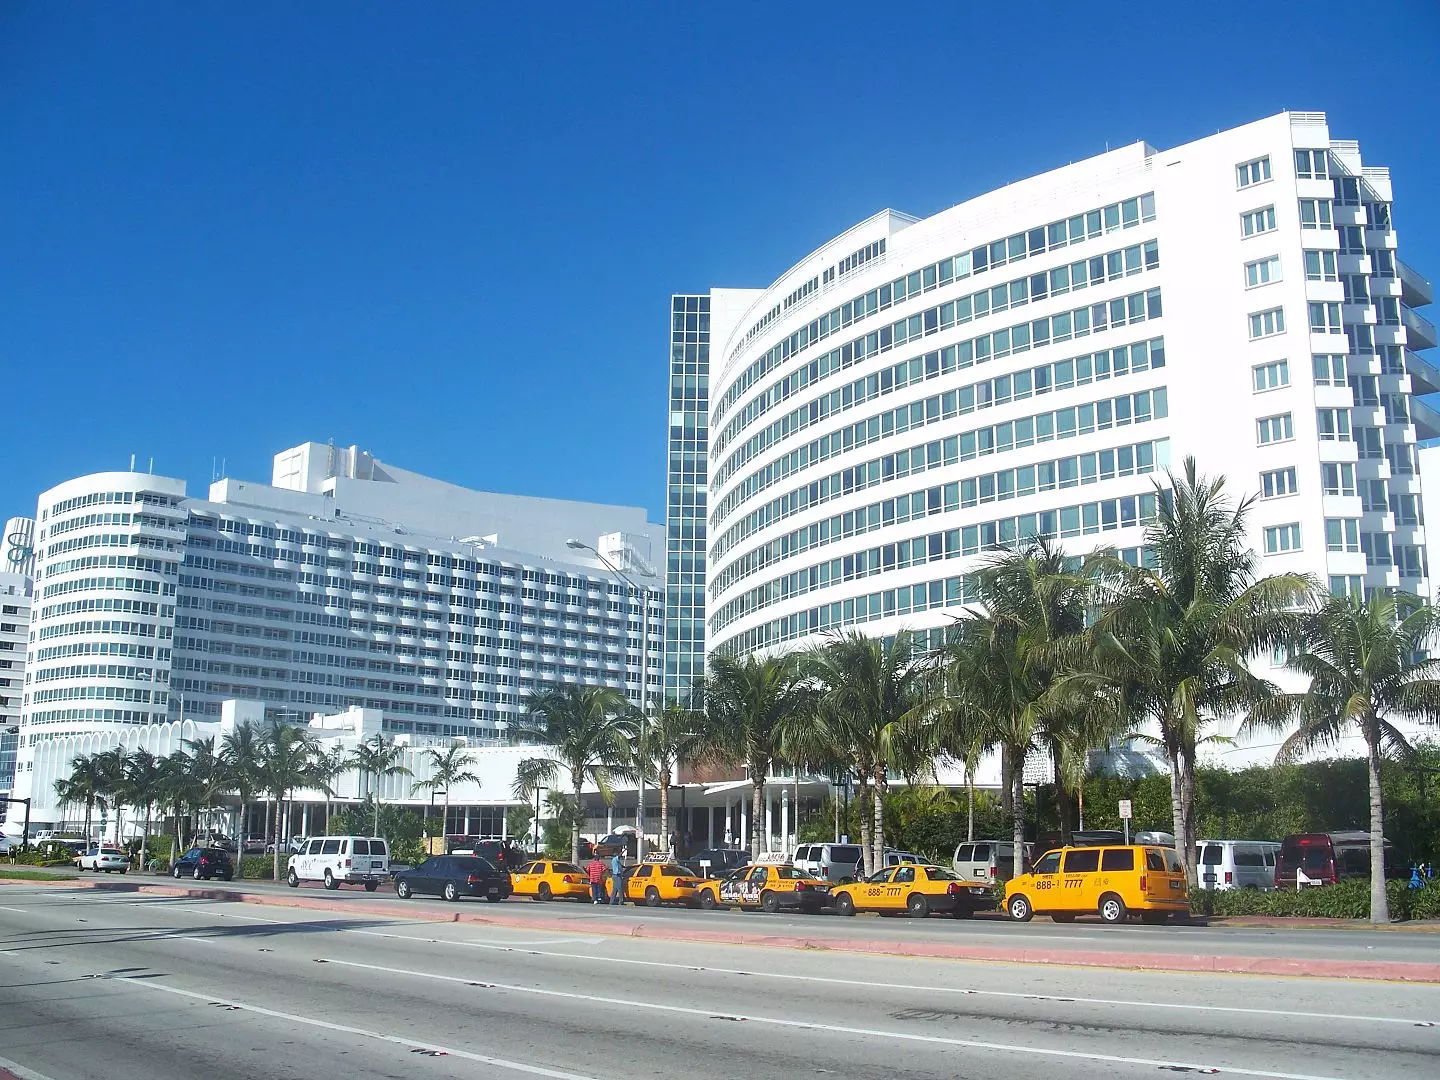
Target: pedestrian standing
x=595, y=870
x=617, y=879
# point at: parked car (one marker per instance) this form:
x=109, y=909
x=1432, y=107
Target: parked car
x=1113, y=882
x=546, y=879
x=255, y=845
x=293, y=846
x=981, y=864
x=454, y=876
x=654, y=884
x=1237, y=864
x=337, y=860
x=833, y=862
x=6, y=843
x=1327, y=858
x=203, y=863
x=716, y=862
x=768, y=887
x=104, y=857
x=916, y=888
x=506, y=854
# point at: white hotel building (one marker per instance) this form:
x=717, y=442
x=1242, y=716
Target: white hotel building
x=916, y=391
x=345, y=586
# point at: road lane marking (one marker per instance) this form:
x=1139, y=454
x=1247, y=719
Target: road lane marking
x=397, y=1040
x=840, y=1029
x=17, y=910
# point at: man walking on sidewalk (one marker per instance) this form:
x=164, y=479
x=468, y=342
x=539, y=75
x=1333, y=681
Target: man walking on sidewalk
x=617, y=879
x=595, y=871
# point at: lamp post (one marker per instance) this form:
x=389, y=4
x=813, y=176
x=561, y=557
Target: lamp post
x=580, y=545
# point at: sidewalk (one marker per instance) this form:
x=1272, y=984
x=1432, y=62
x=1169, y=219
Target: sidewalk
x=495, y=915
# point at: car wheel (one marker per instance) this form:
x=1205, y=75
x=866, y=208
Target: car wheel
x=1112, y=909
x=330, y=882
x=292, y=879
x=402, y=889
x=175, y=873
x=652, y=897
x=769, y=901
x=1063, y=917
x=845, y=904
x=371, y=886
x=197, y=875
x=1020, y=909
x=125, y=870
x=707, y=900
x=543, y=893
x=918, y=906
x=451, y=893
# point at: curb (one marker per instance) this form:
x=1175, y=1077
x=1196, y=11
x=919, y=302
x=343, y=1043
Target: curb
x=1198, y=963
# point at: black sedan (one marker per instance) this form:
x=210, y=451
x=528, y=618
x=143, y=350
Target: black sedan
x=454, y=876
x=203, y=863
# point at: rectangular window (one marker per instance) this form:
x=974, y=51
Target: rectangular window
x=1282, y=538
x=1277, y=483
x=1258, y=221
x=1312, y=165
x=1321, y=266
x=1376, y=547
x=1332, y=425
x=1252, y=172
x=1316, y=214
x=1270, y=376
x=1342, y=534
x=1373, y=496
x=1347, y=585
x=1338, y=478
x=1273, y=429
x=1262, y=271
x=1267, y=323
x=1329, y=369
x=1325, y=318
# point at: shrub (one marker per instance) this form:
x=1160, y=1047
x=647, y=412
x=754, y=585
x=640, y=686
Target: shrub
x=261, y=867
x=1345, y=900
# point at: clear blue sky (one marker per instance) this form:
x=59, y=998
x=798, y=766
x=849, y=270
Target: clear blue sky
x=449, y=232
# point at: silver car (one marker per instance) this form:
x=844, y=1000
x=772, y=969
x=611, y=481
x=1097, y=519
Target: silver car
x=100, y=857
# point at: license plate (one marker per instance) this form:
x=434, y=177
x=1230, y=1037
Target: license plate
x=1174, y=885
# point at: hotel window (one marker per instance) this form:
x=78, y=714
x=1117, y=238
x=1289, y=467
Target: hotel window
x=1316, y=214
x=1372, y=447
x=1270, y=376
x=1278, y=483
x=1324, y=318
x=1347, y=585
x=1262, y=271
x=1258, y=221
x=1252, y=172
x=1332, y=425
x=1329, y=369
x=1273, y=429
x=1374, y=498
x=1312, y=165
x=1267, y=323
x=1376, y=546
x=1282, y=538
x=1410, y=558
x=1320, y=266
x=1338, y=478
x=1342, y=534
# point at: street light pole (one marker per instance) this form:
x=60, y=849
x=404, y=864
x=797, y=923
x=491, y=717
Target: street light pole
x=580, y=545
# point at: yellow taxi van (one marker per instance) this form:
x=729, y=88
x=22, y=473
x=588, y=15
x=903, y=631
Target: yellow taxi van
x=1112, y=881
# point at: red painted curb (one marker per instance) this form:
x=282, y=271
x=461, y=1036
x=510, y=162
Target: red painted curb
x=1392, y=971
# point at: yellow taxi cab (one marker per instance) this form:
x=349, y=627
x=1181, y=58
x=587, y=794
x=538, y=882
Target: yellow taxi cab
x=654, y=884
x=917, y=888
x=768, y=887
x=545, y=880
x=1111, y=881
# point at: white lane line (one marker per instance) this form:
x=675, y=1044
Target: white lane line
x=412, y=1044
x=823, y=980
x=20, y=1070
x=840, y=1029
x=17, y=910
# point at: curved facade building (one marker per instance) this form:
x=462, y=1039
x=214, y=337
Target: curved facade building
x=1027, y=363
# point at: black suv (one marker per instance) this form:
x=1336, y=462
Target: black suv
x=721, y=860
x=204, y=863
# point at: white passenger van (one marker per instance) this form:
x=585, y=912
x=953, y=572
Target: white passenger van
x=351, y=860
x=1236, y=864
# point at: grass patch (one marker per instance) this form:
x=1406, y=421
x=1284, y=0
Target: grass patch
x=31, y=875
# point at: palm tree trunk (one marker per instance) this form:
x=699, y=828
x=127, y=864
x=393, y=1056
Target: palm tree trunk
x=279, y=805
x=664, y=785
x=1062, y=799
x=757, y=822
x=1177, y=804
x=1007, y=795
x=862, y=807
x=1379, y=902
x=575, y=823
x=882, y=783
x=1017, y=809
x=969, y=802
x=1189, y=855
x=240, y=840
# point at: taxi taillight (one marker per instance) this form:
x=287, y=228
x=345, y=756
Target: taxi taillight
x=953, y=888
x=1142, y=883
x=570, y=879
x=992, y=871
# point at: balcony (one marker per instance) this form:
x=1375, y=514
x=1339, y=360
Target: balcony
x=1425, y=419
x=1416, y=291
x=1419, y=331
x=1424, y=376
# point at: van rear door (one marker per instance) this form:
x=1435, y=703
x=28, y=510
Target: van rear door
x=1164, y=877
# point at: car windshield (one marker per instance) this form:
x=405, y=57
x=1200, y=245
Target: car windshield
x=675, y=871
x=844, y=853
x=937, y=873
x=1049, y=864
x=567, y=868
x=472, y=864
x=790, y=873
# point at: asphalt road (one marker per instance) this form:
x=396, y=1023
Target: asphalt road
x=990, y=929
x=115, y=986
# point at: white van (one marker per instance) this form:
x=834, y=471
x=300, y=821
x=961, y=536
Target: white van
x=830, y=862
x=1236, y=864
x=352, y=860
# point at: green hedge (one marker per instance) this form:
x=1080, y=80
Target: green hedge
x=1346, y=900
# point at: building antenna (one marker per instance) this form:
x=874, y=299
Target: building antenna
x=132, y=462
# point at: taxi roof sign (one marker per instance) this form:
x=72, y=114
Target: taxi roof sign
x=771, y=858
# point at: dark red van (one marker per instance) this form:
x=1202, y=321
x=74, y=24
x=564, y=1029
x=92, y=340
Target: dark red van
x=1327, y=858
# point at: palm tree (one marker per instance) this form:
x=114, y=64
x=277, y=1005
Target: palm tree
x=752, y=704
x=589, y=733
x=378, y=757
x=209, y=774
x=448, y=767
x=1367, y=665
x=1175, y=640
x=872, y=691
x=109, y=766
x=286, y=757
x=242, y=754
x=673, y=736
x=178, y=786
x=142, y=781
x=327, y=769
x=84, y=785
